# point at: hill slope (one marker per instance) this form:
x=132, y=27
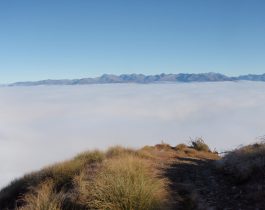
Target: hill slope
x=159, y=177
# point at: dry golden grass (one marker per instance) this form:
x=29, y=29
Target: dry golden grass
x=126, y=182
x=131, y=173
x=120, y=178
x=119, y=151
x=43, y=197
x=181, y=147
x=90, y=157
x=61, y=174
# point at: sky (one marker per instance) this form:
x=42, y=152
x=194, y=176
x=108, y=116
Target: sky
x=55, y=123
x=83, y=38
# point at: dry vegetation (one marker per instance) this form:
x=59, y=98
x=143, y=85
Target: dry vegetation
x=125, y=182
x=43, y=197
x=119, y=178
x=245, y=162
x=154, y=177
x=61, y=174
x=245, y=167
x=200, y=145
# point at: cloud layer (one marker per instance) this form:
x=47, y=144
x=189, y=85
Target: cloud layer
x=41, y=125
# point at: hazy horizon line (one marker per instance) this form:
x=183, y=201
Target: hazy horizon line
x=129, y=74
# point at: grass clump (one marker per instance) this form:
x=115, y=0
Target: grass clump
x=119, y=178
x=181, y=147
x=63, y=173
x=90, y=157
x=200, y=145
x=124, y=183
x=43, y=198
x=118, y=151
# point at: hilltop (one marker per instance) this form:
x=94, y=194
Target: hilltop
x=144, y=79
x=154, y=177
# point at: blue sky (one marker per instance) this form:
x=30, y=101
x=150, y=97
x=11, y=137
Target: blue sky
x=83, y=38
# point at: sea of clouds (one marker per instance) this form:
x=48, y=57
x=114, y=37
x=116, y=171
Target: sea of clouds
x=44, y=124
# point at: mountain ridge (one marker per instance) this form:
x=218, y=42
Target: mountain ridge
x=144, y=79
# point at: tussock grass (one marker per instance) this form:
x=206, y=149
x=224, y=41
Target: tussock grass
x=120, y=178
x=120, y=151
x=124, y=183
x=181, y=147
x=43, y=197
x=90, y=157
x=61, y=174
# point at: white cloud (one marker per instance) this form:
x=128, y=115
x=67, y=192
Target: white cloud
x=41, y=125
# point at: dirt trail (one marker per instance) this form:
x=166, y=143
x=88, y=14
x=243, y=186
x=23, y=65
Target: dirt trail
x=202, y=187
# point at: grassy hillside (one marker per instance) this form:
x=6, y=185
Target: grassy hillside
x=154, y=177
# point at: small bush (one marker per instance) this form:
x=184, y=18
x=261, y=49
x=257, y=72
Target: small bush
x=200, y=145
x=124, y=183
x=42, y=198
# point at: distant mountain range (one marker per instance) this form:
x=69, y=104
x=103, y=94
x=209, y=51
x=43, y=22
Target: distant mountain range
x=144, y=79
